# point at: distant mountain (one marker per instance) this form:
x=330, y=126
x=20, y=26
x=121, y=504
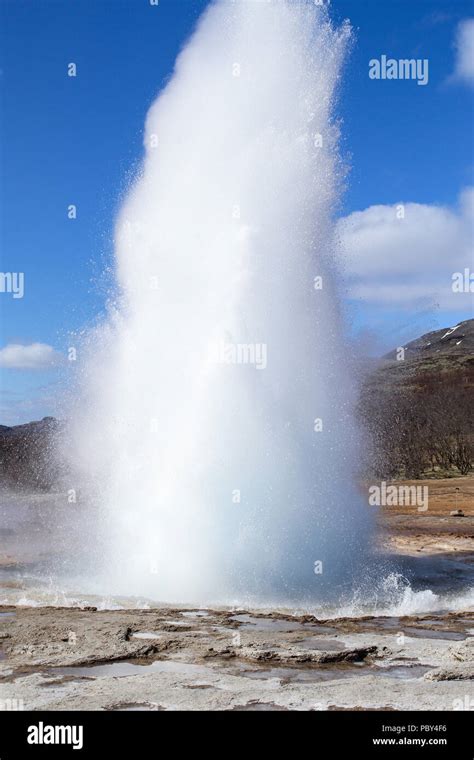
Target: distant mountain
x=455, y=342
x=47, y=424
x=448, y=350
x=417, y=405
x=27, y=454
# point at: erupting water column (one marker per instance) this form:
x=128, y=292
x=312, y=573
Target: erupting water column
x=216, y=422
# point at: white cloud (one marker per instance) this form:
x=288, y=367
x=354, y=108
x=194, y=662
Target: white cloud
x=464, y=67
x=33, y=356
x=401, y=262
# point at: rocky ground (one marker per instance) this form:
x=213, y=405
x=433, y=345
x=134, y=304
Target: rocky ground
x=226, y=659
x=407, y=531
x=169, y=659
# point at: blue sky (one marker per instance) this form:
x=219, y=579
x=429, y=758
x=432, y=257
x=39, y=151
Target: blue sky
x=78, y=140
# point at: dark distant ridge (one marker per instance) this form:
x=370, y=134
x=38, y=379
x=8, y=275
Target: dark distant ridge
x=27, y=454
x=448, y=350
x=419, y=408
x=46, y=424
x=456, y=341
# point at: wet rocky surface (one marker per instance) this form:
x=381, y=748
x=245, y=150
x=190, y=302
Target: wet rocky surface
x=223, y=659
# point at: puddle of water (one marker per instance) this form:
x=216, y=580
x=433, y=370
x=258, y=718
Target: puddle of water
x=7, y=614
x=308, y=674
x=404, y=672
x=313, y=642
x=122, y=669
x=299, y=674
x=259, y=707
x=195, y=613
x=433, y=621
x=426, y=633
x=266, y=624
x=147, y=635
x=137, y=707
x=420, y=632
x=279, y=626
x=296, y=674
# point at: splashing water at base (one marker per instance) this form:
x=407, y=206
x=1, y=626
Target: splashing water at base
x=216, y=432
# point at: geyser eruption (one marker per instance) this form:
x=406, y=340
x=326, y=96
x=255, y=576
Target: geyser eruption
x=218, y=434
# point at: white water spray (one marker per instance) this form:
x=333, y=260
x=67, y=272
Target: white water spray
x=217, y=430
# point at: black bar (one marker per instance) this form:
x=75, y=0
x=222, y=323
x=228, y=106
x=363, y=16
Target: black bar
x=324, y=734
